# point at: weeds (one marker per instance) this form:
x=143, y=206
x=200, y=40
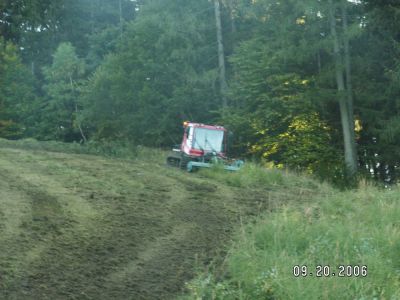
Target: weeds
x=351, y=228
x=122, y=149
x=250, y=175
x=319, y=226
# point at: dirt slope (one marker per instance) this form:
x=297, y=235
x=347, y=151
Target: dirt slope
x=87, y=227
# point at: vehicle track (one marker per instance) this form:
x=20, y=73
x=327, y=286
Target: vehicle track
x=87, y=227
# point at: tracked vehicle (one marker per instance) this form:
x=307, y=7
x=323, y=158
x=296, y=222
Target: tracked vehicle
x=202, y=147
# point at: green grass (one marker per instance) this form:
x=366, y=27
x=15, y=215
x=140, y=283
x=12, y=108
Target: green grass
x=115, y=149
x=123, y=150
x=331, y=228
x=78, y=226
x=112, y=215
x=251, y=175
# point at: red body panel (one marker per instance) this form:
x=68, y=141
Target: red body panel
x=187, y=147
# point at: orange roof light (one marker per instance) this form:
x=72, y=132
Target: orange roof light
x=186, y=123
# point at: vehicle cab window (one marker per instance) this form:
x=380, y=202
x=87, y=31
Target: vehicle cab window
x=189, y=134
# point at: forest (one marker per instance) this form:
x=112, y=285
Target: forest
x=313, y=86
x=93, y=93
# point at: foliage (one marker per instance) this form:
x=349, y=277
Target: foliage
x=156, y=79
x=304, y=146
x=277, y=108
x=10, y=130
x=60, y=112
x=250, y=175
x=379, y=107
x=16, y=93
x=148, y=65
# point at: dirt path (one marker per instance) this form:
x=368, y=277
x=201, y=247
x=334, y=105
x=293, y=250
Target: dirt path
x=86, y=227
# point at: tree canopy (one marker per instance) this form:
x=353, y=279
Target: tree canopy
x=309, y=85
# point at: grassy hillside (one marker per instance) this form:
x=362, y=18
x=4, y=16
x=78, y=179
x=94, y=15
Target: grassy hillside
x=346, y=246
x=78, y=226
x=82, y=226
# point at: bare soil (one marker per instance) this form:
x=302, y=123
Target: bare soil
x=87, y=227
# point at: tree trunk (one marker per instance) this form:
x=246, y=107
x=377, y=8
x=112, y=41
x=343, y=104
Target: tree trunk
x=76, y=111
x=120, y=19
x=91, y=17
x=79, y=125
x=348, y=70
x=232, y=16
x=221, y=55
x=349, y=153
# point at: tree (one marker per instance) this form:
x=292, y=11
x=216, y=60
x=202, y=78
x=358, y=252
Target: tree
x=377, y=85
x=61, y=109
x=221, y=55
x=81, y=19
x=17, y=94
x=164, y=72
x=277, y=108
x=150, y=64
x=344, y=98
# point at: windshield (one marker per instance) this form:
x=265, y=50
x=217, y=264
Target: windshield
x=208, y=139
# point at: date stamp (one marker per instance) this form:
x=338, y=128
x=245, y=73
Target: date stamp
x=328, y=271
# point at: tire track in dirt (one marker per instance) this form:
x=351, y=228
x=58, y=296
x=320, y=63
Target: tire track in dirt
x=49, y=212
x=14, y=210
x=46, y=193
x=163, y=265
x=142, y=230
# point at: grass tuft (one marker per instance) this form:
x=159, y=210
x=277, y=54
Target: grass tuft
x=352, y=228
x=123, y=149
x=250, y=175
